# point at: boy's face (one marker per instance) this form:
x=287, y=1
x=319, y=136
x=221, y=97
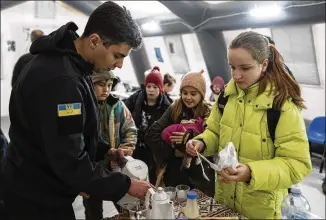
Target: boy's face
x=152, y=91
x=103, y=89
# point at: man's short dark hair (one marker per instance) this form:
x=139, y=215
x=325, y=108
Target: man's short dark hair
x=115, y=24
x=270, y=40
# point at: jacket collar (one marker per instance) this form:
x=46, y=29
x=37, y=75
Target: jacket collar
x=262, y=101
x=111, y=100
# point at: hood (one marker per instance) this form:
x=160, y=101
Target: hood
x=60, y=41
x=218, y=81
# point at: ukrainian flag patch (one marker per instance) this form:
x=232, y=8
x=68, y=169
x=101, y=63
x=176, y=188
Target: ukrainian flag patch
x=69, y=109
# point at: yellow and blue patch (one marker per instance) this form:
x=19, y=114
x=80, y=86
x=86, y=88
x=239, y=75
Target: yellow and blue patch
x=69, y=109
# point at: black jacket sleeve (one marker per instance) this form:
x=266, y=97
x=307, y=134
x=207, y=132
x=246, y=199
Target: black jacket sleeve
x=153, y=138
x=19, y=66
x=64, y=145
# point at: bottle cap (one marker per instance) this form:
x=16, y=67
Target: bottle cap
x=296, y=189
x=192, y=195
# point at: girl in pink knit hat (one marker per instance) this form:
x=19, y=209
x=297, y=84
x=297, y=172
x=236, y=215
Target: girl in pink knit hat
x=167, y=137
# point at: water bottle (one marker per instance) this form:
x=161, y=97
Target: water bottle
x=295, y=205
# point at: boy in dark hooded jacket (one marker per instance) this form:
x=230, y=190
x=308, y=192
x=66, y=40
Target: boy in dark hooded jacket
x=147, y=105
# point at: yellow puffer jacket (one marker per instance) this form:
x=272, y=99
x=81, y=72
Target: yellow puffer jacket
x=273, y=168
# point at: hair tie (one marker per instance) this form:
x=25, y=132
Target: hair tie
x=271, y=53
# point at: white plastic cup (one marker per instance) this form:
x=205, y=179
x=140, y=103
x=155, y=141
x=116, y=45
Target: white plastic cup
x=182, y=191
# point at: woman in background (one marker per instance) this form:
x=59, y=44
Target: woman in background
x=257, y=187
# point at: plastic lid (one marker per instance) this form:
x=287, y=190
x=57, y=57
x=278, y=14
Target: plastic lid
x=192, y=195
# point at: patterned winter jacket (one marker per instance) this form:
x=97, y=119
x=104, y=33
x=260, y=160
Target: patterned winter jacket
x=123, y=133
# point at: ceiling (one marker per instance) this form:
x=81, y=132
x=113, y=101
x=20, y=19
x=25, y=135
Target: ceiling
x=145, y=9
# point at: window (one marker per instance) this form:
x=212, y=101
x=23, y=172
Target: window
x=296, y=45
x=45, y=9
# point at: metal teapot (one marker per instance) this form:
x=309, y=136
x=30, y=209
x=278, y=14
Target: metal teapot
x=158, y=204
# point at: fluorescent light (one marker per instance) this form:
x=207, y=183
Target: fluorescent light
x=151, y=26
x=266, y=11
x=215, y=2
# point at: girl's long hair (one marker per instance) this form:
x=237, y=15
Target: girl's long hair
x=199, y=111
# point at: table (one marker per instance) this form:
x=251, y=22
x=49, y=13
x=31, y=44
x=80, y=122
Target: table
x=208, y=207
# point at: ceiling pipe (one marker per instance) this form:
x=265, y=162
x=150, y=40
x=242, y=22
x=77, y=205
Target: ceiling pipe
x=293, y=14
x=82, y=6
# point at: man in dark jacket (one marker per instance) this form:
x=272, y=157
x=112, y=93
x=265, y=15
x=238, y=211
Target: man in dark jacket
x=25, y=59
x=54, y=120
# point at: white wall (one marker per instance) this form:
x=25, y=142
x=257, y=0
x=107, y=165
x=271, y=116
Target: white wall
x=13, y=21
x=315, y=95
x=195, y=58
x=150, y=43
x=166, y=67
x=127, y=73
x=193, y=53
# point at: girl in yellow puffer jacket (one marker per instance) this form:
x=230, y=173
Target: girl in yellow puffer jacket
x=257, y=187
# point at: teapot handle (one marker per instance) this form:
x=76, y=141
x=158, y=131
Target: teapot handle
x=148, y=197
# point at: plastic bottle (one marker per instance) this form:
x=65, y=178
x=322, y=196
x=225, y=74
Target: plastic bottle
x=191, y=210
x=295, y=205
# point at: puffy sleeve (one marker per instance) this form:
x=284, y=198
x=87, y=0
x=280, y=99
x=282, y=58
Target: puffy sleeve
x=212, y=132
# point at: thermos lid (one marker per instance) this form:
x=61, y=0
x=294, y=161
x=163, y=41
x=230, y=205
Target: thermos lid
x=137, y=168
